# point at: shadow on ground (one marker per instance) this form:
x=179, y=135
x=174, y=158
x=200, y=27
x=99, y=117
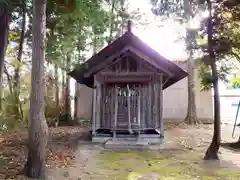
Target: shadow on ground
x=234, y=146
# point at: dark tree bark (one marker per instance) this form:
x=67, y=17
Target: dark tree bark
x=67, y=91
x=38, y=130
x=212, y=151
x=57, y=93
x=63, y=87
x=4, y=23
x=76, y=101
x=77, y=91
x=110, y=38
x=9, y=80
x=191, y=117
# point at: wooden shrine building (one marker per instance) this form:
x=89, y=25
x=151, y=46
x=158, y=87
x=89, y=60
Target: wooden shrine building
x=128, y=78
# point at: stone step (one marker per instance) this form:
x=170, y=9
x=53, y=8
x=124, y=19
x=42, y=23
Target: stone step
x=126, y=144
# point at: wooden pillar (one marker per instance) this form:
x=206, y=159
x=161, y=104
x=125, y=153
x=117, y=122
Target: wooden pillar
x=115, y=112
x=149, y=106
x=129, y=110
x=94, y=110
x=155, y=106
x=98, y=104
x=103, y=97
x=139, y=109
x=161, y=106
x=144, y=103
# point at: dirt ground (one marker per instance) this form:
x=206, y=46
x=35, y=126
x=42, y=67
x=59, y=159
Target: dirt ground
x=72, y=156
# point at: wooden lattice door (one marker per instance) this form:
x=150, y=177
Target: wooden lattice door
x=121, y=106
x=128, y=103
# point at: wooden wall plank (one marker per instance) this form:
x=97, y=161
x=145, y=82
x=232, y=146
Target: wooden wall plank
x=143, y=109
x=115, y=112
x=156, y=103
x=103, y=108
x=149, y=110
x=139, y=107
x=129, y=111
x=161, y=105
x=98, y=105
x=94, y=110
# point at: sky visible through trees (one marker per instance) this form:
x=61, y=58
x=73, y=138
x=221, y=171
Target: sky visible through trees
x=165, y=36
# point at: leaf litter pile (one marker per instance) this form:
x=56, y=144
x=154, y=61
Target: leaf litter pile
x=60, y=151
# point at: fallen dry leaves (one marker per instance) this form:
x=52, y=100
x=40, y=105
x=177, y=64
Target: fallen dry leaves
x=60, y=150
x=62, y=159
x=12, y=156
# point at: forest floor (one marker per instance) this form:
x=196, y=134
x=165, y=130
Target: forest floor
x=72, y=156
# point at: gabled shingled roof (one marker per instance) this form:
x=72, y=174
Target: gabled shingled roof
x=128, y=39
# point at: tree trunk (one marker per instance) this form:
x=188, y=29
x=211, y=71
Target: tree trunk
x=67, y=91
x=110, y=38
x=38, y=130
x=56, y=94
x=191, y=117
x=63, y=90
x=94, y=44
x=4, y=22
x=16, y=82
x=212, y=151
x=123, y=19
x=76, y=96
x=9, y=80
x=76, y=101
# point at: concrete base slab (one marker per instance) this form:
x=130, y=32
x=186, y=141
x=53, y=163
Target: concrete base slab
x=99, y=139
x=150, y=138
x=121, y=144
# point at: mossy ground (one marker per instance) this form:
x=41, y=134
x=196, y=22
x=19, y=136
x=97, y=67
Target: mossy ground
x=183, y=165
x=180, y=159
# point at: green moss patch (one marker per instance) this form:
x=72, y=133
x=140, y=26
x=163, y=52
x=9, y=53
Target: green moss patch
x=177, y=166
